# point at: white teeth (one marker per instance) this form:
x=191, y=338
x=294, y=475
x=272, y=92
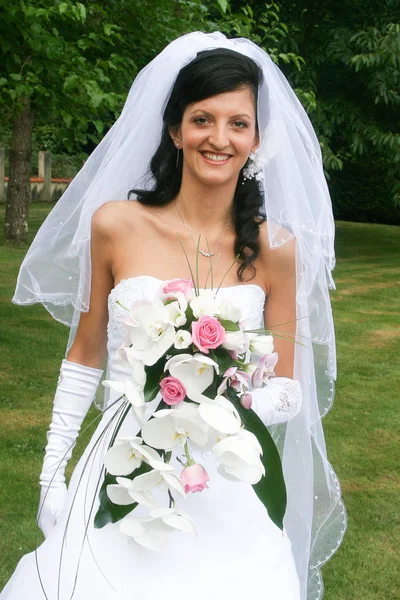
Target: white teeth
x=217, y=157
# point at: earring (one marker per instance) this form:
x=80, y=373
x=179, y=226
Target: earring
x=177, y=154
x=254, y=167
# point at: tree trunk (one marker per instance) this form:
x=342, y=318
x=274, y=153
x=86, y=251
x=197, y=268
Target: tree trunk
x=19, y=188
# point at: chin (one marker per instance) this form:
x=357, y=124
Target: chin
x=216, y=179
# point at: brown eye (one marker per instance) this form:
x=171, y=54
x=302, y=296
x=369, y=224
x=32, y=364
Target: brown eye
x=200, y=120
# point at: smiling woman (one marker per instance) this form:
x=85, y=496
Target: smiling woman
x=211, y=141
x=210, y=129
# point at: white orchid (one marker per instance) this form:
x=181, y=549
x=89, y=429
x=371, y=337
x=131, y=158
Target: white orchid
x=237, y=341
x=124, y=354
x=206, y=303
x=178, y=297
x=240, y=457
x=152, y=531
x=151, y=334
x=172, y=427
x=132, y=393
x=183, y=339
x=126, y=491
x=261, y=344
x=195, y=372
x=127, y=454
x=221, y=415
x=261, y=371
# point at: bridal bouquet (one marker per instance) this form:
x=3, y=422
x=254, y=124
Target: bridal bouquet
x=189, y=345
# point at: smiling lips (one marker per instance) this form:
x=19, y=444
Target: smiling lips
x=210, y=157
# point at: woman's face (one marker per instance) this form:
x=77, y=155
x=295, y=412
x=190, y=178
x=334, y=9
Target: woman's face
x=217, y=135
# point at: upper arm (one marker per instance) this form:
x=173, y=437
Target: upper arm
x=280, y=307
x=90, y=344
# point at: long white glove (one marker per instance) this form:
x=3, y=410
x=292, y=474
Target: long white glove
x=278, y=401
x=74, y=395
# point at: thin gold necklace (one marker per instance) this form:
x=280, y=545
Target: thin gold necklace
x=206, y=254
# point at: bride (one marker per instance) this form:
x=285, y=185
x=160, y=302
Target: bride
x=212, y=142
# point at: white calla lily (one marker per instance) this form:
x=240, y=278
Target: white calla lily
x=240, y=457
x=195, y=372
x=221, y=415
x=176, y=315
x=127, y=454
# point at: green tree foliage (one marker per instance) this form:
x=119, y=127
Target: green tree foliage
x=352, y=68
x=70, y=64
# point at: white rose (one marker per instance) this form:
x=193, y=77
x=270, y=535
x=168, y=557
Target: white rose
x=183, y=339
x=236, y=341
x=262, y=344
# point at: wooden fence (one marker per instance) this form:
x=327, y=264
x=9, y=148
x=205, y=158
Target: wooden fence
x=44, y=188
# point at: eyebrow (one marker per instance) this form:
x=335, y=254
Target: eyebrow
x=205, y=112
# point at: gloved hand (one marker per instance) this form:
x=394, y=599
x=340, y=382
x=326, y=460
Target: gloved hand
x=278, y=401
x=74, y=395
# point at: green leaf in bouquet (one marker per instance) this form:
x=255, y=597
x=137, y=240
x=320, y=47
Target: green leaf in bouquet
x=108, y=512
x=154, y=374
x=229, y=325
x=271, y=488
x=224, y=360
x=211, y=391
x=189, y=316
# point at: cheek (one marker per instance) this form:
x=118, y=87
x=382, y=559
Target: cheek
x=246, y=142
x=192, y=138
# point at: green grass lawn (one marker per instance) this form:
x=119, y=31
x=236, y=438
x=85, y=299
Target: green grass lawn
x=362, y=430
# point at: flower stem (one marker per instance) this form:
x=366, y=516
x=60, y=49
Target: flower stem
x=190, y=461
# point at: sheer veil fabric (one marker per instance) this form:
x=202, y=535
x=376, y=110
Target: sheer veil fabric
x=57, y=268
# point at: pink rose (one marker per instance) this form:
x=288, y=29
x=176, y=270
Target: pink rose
x=194, y=478
x=179, y=285
x=207, y=333
x=172, y=390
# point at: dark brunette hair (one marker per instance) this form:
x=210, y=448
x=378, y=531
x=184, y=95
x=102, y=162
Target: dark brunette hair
x=212, y=72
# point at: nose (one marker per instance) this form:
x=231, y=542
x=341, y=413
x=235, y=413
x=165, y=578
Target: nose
x=219, y=137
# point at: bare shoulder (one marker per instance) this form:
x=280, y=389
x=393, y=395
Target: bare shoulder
x=279, y=261
x=117, y=217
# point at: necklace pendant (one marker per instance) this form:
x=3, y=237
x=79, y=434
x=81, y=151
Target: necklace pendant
x=206, y=254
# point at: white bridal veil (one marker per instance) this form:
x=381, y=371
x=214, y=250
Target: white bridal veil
x=57, y=268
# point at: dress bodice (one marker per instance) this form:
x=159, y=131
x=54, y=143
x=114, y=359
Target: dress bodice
x=248, y=296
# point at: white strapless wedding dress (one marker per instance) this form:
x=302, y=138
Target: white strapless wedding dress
x=237, y=553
